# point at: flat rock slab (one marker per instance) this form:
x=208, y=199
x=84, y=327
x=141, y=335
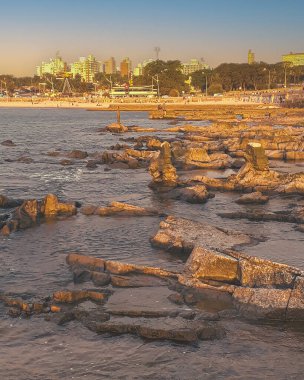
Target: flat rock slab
x=182, y=235
x=175, y=329
x=138, y=301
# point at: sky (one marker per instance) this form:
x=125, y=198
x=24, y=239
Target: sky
x=219, y=31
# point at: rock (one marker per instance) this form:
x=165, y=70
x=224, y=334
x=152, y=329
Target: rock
x=8, y=143
x=32, y=212
x=257, y=272
x=176, y=298
x=116, y=267
x=192, y=194
x=100, y=278
x=161, y=169
x=255, y=155
x=295, y=309
x=66, y=162
x=77, y=154
x=68, y=296
x=255, y=198
x=119, y=208
x=135, y=281
x=6, y=202
x=182, y=235
x=116, y=128
x=53, y=153
x=92, y=164
x=88, y=209
x=262, y=303
x=204, y=264
x=91, y=263
x=293, y=216
x=25, y=160
x=196, y=154
x=52, y=207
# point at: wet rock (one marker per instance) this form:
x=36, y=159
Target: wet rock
x=116, y=128
x=137, y=280
x=181, y=235
x=6, y=202
x=66, y=162
x=25, y=160
x=53, y=153
x=253, y=198
x=100, y=278
x=293, y=216
x=78, y=154
x=295, y=309
x=52, y=207
x=32, y=212
x=176, y=298
x=192, y=194
x=119, y=208
x=262, y=303
x=92, y=164
x=117, y=267
x=8, y=143
x=75, y=296
x=154, y=144
x=88, y=209
x=81, y=275
x=91, y=263
x=161, y=169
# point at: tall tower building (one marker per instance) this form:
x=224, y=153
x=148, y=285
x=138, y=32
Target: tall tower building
x=86, y=67
x=125, y=67
x=251, y=58
x=110, y=66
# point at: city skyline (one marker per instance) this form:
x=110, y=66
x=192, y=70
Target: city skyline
x=219, y=31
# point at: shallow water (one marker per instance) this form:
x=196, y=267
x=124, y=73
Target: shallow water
x=32, y=262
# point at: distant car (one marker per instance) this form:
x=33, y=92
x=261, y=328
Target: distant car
x=165, y=96
x=217, y=95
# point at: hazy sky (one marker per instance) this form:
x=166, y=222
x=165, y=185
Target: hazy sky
x=218, y=30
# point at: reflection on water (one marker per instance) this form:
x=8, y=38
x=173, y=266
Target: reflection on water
x=32, y=262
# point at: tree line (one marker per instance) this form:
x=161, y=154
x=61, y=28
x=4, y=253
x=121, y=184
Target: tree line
x=171, y=81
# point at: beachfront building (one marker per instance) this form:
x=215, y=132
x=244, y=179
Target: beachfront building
x=192, y=66
x=251, y=57
x=139, y=69
x=55, y=66
x=86, y=67
x=125, y=67
x=110, y=66
x=296, y=59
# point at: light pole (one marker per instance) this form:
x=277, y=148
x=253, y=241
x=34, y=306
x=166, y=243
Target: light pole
x=286, y=65
x=265, y=69
x=206, y=83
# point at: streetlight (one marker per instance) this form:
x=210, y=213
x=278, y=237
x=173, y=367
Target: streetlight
x=155, y=78
x=265, y=69
x=206, y=83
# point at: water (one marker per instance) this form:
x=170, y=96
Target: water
x=32, y=262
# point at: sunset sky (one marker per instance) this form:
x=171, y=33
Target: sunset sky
x=218, y=30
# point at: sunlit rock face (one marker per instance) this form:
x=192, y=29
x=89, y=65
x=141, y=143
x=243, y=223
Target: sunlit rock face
x=161, y=169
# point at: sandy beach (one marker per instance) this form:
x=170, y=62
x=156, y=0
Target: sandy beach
x=124, y=105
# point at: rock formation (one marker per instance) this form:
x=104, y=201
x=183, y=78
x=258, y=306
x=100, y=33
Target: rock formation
x=258, y=288
x=161, y=169
x=32, y=212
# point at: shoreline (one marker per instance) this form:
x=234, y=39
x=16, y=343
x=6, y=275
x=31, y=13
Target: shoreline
x=135, y=106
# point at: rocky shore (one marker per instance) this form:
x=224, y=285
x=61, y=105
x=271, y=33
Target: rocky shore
x=218, y=283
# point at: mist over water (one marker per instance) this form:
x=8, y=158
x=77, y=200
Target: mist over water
x=32, y=262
